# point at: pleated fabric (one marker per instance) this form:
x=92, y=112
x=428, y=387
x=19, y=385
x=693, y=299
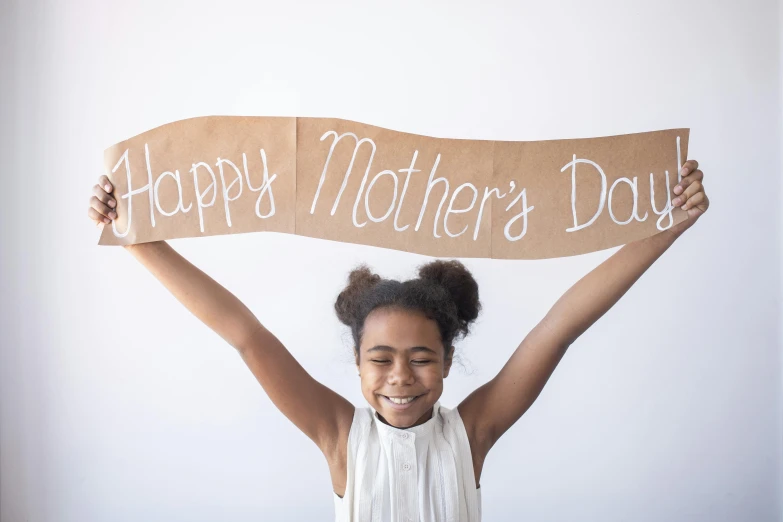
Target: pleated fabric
x=418, y=474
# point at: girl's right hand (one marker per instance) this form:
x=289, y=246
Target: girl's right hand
x=102, y=204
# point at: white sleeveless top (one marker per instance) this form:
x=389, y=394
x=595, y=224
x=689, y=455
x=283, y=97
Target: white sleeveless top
x=418, y=474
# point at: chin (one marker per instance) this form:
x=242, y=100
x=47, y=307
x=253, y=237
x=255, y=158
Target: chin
x=405, y=415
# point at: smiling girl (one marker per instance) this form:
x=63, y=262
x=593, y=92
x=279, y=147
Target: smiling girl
x=406, y=457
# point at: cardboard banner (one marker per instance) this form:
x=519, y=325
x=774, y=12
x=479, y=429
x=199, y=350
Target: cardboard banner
x=356, y=183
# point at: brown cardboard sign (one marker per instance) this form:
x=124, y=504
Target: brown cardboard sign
x=351, y=182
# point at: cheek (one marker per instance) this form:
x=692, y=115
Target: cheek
x=430, y=375
x=372, y=376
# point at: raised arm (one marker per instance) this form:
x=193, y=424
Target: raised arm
x=319, y=412
x=496, y=406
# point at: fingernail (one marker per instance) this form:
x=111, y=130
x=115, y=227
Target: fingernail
x=112, y=203
x=107, y=187
x=676, y=201
x=684, y=207
x=677, y=189
x=106, y=221
x=113, y=215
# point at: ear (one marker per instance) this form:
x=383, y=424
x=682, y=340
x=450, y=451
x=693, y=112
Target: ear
x=447, y=361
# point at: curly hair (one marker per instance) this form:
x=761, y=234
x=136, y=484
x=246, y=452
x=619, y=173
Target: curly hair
x=445, y=292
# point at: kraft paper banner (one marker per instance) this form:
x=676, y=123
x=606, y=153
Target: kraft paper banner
x=356, y=183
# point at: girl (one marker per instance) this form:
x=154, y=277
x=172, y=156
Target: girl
x=406, y=457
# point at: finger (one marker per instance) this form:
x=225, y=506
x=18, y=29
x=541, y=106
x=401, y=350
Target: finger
x=690, y=190
x=687, y=180
x=97, y=217
x=105, y=184
x=102, y=195
x=102, y=208
x=689, y=167
x=695, y=201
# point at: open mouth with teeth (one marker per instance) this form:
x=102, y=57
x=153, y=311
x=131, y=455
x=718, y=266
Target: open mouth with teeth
x=399, y=403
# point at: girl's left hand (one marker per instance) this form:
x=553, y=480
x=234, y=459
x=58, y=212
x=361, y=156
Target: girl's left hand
x=690, y=195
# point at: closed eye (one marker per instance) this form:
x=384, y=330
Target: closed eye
x=379, y=361
x=421, y=361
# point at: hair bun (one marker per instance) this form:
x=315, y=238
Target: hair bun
x=360, y=280
x=459, y=283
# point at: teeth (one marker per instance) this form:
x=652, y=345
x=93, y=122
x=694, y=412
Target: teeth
x=405, y=400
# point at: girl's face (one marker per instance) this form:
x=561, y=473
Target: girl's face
x=402, y=365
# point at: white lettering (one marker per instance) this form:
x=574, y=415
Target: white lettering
x=180, y=204
x=347, y=171
x=129, y=196
x=635, y=191
x=523, y=214
x=200, y=195
x=449, y=209
x=369, y=189
x=265, y=186
x=667, y=208
x=410, y=170
x=431, y=184
x=226, y=198
x=572, y=164
x=484, y=199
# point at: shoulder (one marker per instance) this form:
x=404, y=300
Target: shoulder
x=361, y=423
x=450, y=417
x=350, y=435
x=352, y=430
x=453, y=426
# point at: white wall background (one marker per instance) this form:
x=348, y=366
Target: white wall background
x=116, y=404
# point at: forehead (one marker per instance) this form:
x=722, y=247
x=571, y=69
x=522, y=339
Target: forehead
x=400, y=328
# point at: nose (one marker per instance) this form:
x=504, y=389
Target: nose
x=401, y=374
